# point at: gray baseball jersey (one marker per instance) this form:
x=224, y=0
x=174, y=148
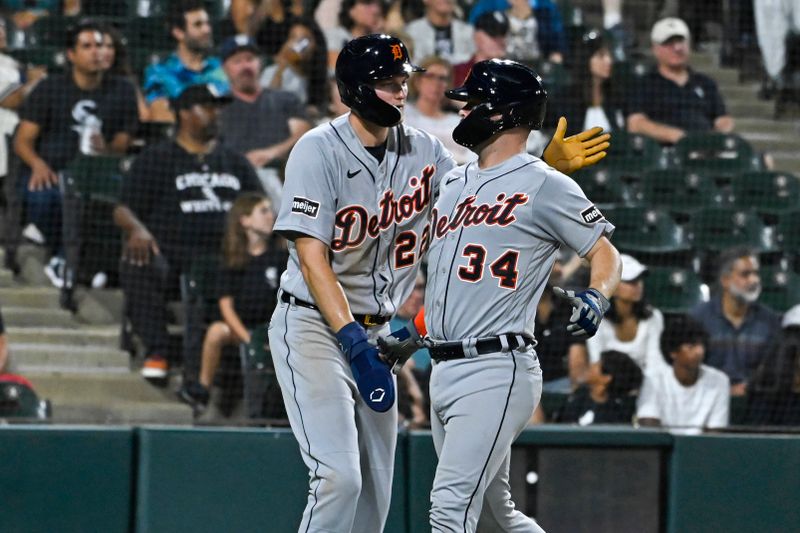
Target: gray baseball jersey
x=496, y=234
x=372, y=216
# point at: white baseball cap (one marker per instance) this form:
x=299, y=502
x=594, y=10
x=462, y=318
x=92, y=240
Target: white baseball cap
x=667, y=28
x=631, y=268
x=791, y=317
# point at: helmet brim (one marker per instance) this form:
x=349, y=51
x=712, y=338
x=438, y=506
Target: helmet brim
x=459, y=93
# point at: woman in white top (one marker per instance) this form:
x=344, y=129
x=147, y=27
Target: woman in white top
x=631, y=326
x=427, y=111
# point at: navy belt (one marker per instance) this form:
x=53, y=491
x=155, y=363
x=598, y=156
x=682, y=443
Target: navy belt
x=364, y=320
x=447, y=351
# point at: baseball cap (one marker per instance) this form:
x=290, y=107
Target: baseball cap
x=234, y=44
x=791, y=317
x=667, y=28
x=631, y=268
x=200, y=94
x=495, y=23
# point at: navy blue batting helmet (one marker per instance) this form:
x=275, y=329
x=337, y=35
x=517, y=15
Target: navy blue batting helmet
x=364, y=61
x=498, y=87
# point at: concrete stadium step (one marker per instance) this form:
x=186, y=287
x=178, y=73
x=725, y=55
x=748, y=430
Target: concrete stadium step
x=749, y=107
x=106, y=337
x=68, y=359
x=22, y=296
x=44, y=318
x=734, y=92
x=771, y=142
x=766, y=124
x=723, y=76
x=788, y=161
x=108, y=398
x=6, y=278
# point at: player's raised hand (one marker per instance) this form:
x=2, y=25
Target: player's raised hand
x=576, y=151
x=588, y=308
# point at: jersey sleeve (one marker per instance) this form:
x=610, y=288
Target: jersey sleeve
x=445, y=162
x=308, y=205
x=564, y=214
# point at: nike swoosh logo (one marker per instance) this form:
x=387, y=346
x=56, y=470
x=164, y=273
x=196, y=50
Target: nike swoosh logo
x=351, y=174
x=452, y=180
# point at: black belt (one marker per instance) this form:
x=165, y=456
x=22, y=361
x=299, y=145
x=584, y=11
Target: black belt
x=364, y=320
x=447, y=351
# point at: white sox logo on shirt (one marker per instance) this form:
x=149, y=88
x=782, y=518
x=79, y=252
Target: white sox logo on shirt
x=354, y=223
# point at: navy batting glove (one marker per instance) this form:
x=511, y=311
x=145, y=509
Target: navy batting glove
x=588, y=308
x=373, y=377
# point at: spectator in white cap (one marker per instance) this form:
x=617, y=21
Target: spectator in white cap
x=632, y=326
x=673, y=99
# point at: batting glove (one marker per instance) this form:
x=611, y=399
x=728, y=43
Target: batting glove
x=588, y=306
x=373, y=377
x=576, y=151
x=399, y=345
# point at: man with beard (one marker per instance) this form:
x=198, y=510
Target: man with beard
x=740, y=329
x=262, y=124
x=190, y=64
x=172, y=209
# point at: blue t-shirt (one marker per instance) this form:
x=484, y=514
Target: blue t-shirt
x=168, y=78
x=422, y=359
x=737, y=351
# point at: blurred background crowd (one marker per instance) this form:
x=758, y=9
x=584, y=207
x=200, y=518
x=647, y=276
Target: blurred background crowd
x=141, y=161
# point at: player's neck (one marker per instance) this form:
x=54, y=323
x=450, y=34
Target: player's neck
x=368, y=133
x=504, y=146
x=87, y=81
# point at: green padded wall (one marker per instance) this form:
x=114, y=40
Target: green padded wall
x=735, y=483
x=242, y=480
x=65, y=480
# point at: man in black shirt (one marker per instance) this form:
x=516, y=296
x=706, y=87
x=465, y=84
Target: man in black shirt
x=172, y=209
x=674, y=99
x=262, y=124
x=80, y=111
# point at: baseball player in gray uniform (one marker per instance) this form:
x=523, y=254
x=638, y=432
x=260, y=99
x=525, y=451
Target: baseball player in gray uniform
x=356, y=207
x=496, y=229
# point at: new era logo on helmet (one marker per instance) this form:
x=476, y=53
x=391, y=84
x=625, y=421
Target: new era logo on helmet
x=377, y=395
x=304, y=206
x=591, y=214
x=397, y=52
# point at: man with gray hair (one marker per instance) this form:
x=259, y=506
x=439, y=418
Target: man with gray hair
x=740, y=329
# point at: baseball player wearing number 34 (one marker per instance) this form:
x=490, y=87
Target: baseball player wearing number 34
x=498, y=224
x=357, y=207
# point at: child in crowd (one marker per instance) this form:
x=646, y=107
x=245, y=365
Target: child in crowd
x=253, y=261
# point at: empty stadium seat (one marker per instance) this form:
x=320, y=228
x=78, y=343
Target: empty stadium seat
x=645, y=230
x=50, y=31
x=150, y=34
x=603, y=187
x=635, y=153
x=674, y=290
x=716, y=229
x=787, y=234
x=769, y=193
x=52, y=57
x=717, y=153
x=681, y=192
x=780, y=288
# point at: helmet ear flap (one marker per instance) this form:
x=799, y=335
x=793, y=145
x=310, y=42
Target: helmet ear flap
x=369, y=106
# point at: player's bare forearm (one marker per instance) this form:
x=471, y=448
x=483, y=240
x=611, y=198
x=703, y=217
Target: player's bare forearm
x=232, y=319
x=606, y=267
x=649, y=422
x=322, y=282
x=639, y=123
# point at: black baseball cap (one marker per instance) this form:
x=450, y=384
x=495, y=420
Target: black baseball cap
x=495, y=23
x=205, y=93
x=237, y=43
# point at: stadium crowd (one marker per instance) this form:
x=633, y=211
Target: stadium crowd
x=199, y=108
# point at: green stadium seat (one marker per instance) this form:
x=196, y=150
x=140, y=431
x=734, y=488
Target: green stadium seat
x=603, y=187
x=554, y=77
x=149, y=33
x=633, y=153
x=674, y=290
x=645, y=230
x=716, y=153
x=769, y=193
x=52, y=57
x=51, y=31
x=787, y=234
x=199, y=283
x=92, y=243
x=780, y=288
x=681, y=192
x=716, y=229
x=18, y=401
